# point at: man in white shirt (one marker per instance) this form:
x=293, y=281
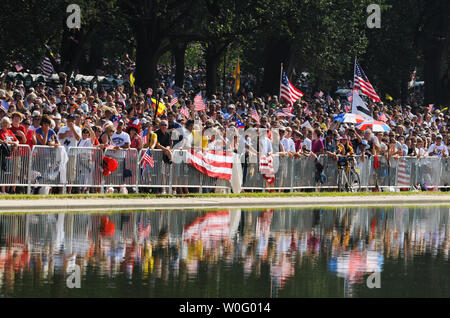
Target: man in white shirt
x=70, y=134
x=438, y=148
x=120, y=139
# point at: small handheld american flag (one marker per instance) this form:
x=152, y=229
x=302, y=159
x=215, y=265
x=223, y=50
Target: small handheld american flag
x=198, y=103
x=147, y=159
x=254, y=114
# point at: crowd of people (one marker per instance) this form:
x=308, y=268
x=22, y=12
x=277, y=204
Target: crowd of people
x=71, y=115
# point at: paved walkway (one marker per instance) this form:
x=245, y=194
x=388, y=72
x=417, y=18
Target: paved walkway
x=47, y=205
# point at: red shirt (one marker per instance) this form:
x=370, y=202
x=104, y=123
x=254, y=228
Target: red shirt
x=7, y=135
x=20, y=128
x=30, y=134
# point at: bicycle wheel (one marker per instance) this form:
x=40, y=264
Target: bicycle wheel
x=354, y=182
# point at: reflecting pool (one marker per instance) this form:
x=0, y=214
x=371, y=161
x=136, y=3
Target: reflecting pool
x=336, y=252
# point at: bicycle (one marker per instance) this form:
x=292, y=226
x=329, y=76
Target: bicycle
x=347, y=176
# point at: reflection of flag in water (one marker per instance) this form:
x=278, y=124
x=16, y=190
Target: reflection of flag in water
x=214, y=226
x=282, y=271
x=353, y=265
x=403, y=176
x=266, y=168
x=144, y=232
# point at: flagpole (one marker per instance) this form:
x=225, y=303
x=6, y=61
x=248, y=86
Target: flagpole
x=281, y=76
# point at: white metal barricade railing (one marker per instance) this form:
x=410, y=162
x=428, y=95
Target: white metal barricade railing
x=48, y=166
x=126, y=172
x=14, y=169
x=157, y=176
x=84, y=167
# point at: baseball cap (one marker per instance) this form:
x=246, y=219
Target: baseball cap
x=36, y=113
x=439, y=136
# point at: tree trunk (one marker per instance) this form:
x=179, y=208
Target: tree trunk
x=436, y=51
x=212, y=59
x=178, y=51
x=277, y=51
x=147, y=54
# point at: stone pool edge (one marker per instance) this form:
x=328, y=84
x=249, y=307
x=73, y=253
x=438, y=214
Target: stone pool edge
x=92, y=204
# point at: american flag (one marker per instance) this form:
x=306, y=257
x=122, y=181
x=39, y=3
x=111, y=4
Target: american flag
x=170, y=91
x=174, y=101
x=144, y=136
x=198, y=103
x=318, y=94
x=266, y=168
x=19, y=67
x=47, y=67
x=382, y=117
x=239, y=123
x=362, y=83
x=287, y=91
x=147, y=159
x=287, y=110
x=254, y=114
x=184, y=111
x=307, y=111
x=216, y=164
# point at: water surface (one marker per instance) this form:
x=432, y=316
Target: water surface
x=228, y=253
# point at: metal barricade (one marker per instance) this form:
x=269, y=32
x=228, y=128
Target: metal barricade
x=126, y=172
x=406, y=173
x=84, y=168
x=14, y=169
x=283, y=167
x=184, y=175
x=444, y=181
x=157, y=176
x=48, y=166
x=252, y=178
x=304, y=173
x=428, y=172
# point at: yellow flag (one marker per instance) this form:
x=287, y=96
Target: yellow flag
x=388, y=97
x=161, y=108
x=132, y=79
x=237, y=77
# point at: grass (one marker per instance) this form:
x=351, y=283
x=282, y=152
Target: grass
x=210, y=195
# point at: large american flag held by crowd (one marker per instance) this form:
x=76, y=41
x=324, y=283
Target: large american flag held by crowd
x=362, y=83
x=287, y=91
x=215, y=164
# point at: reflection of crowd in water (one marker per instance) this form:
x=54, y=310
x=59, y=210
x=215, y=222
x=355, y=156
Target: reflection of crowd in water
x=175, y=245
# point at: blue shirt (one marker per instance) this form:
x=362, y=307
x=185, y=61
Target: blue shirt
x=51, y=133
